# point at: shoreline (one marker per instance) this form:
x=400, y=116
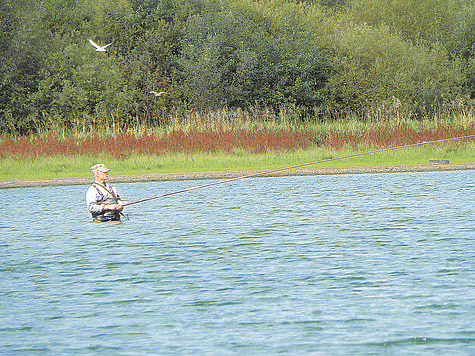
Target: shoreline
x=151, y=177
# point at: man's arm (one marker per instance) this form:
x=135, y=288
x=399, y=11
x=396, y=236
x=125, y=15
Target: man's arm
x=91, y=200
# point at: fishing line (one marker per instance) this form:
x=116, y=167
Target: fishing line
x=293, y=167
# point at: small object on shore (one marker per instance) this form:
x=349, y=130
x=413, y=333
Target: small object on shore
x=439, y=161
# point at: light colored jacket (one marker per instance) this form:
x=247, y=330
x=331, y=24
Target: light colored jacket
x=98, y=195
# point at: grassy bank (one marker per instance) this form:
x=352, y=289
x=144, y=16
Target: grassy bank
x=78, y=166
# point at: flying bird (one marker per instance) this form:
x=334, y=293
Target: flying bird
x=158, y=94
x=99, y=48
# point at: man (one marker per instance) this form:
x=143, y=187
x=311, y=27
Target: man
x=102, y=199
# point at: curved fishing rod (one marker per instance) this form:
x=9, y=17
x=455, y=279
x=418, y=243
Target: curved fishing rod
x=292, y=167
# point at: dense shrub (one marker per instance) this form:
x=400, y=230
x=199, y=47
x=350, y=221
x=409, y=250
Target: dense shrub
x=448, y=23
x=312, y=56
x=373, y=66
x=233, y=60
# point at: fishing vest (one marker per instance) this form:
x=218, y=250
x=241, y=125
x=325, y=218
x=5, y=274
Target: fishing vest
x=111, y=198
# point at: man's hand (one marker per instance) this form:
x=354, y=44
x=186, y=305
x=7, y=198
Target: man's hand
x=118, y=207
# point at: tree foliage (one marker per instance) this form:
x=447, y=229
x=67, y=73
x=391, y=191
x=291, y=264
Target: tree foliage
x=344, y=54
x=235, y=59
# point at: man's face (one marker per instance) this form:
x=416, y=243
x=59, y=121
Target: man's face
x=102, y=175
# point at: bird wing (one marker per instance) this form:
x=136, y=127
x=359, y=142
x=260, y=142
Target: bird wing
x=154, y=93
x=107, y=45
x=94, y=44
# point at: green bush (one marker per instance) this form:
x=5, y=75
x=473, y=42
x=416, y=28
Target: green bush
x=251, y=55
x=426, y=21
x=301, y=56
x=441, y=23
x=372, y=66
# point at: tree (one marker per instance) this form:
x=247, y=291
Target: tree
x=239, y=58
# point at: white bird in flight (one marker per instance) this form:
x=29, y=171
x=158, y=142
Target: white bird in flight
x=99, y=48
x=158, y=94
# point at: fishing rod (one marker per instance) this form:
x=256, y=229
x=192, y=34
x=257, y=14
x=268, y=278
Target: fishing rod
x=293, y=167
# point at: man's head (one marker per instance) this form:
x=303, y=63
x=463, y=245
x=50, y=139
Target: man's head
x=100, y=171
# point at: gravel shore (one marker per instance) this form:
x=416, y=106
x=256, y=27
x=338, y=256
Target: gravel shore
x=231, y=174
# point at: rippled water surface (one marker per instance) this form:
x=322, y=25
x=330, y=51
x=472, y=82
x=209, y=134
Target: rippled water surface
x=350, y=264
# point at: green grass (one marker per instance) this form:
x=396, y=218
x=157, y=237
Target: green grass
x=78, y=166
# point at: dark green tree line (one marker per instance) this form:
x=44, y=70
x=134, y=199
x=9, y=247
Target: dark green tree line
x=346, y=55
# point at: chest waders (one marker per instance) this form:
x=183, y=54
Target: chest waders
x=111, y=198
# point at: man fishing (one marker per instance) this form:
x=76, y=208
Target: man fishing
x=103, y=201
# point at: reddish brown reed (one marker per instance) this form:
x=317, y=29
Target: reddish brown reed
x=392, y=136
x=123, y=145
x=253, y=140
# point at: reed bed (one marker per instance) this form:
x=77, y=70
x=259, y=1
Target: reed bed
x=123, y=145
x=390, y=136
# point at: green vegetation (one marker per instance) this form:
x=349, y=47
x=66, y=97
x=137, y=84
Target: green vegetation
x=62, y=166
x=252, y=84
x=319, y=60
x=222, y=148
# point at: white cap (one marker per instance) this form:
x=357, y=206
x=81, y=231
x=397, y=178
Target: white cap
x=99, y=168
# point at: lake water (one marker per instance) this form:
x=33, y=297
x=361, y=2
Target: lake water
x=351, y=264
